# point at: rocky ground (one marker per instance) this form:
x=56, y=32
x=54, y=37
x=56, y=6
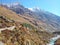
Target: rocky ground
x=15, y=30
x=21, y=34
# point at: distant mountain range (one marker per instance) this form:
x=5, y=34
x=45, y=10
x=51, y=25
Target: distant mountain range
x=48, y=21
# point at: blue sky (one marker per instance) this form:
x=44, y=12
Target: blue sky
x=47, y=5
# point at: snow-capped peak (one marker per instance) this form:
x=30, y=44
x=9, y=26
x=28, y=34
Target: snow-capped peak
x=31, y=9
x=34, y=9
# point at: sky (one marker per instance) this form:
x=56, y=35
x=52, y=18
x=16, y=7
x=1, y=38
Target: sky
x=52, y=6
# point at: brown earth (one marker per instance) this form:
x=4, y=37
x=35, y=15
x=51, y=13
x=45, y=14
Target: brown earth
x=24, y=33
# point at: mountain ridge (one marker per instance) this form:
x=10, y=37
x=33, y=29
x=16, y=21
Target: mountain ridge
x=23, y=32
x=51, y=21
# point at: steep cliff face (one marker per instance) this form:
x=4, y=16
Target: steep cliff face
x=16, y=30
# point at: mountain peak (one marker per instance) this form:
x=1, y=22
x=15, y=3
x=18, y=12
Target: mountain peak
x=35, y=9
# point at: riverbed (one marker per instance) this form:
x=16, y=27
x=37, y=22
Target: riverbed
x=52, y=40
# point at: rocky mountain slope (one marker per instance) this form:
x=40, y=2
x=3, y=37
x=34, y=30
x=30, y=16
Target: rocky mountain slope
x=22, y=32
x=48, y=21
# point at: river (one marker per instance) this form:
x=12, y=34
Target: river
x=52, y=40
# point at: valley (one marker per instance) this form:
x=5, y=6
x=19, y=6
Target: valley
x=21, y=26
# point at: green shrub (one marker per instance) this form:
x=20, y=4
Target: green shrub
x=28, y=25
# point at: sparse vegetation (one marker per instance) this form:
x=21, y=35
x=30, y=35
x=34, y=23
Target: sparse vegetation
x=23, y=33
x=28, y=25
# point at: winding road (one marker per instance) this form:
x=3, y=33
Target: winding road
x=9, y=28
